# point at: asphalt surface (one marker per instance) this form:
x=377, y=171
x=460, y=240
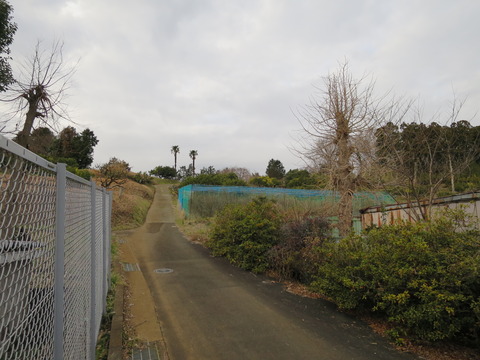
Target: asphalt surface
x=209, y=309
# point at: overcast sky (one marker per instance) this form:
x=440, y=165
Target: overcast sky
x=225, y=77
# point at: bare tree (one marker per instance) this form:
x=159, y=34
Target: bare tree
x=39, y=91
x=422, y=159
x=242, y=173
x=333, y=128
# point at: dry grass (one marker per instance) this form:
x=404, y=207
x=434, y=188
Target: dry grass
x=130, y=204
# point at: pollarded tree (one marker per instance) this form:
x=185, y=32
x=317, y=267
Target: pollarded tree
x=299, y=178
x=345, y=111
x=175, y=150
x=40, y=89
x=193, y=155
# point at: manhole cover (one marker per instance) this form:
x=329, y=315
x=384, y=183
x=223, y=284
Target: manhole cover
x=163, y=271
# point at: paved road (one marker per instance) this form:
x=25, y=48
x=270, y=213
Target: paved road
x=209, y=309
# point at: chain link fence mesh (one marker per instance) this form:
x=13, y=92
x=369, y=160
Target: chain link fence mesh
x=51, y=237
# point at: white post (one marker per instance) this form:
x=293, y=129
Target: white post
x=59, y=300
x=93, y=336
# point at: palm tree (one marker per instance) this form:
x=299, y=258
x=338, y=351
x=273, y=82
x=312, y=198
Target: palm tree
x=175, y=150
x=193, y=155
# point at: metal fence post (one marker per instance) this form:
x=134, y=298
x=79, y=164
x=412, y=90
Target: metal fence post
x=106, y=251
x=93, y=338
x=59, y=262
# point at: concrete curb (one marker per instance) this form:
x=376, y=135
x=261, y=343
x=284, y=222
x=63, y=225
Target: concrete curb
x=115, y=349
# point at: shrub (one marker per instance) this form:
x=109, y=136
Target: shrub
x=423, y=277
x=220, y=179
x=293, y=257
x=164, y=172
x=114, y=173
x=83, y=173
x=264, y=181
x=245, y=233
x=141, y=178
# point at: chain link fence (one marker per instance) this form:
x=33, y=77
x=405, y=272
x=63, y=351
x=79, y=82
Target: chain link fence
x=54, y=258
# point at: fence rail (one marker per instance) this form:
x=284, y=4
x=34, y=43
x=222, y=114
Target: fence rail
x=54, y=258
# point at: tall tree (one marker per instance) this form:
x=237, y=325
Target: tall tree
x=84, y=144
x=423, y=159
x=275, y=169
x=42, y=140
x=70, y=144
x=40, y=90
x=193, y=155
x=7, y=30
x=345, y=111
x=175, y=150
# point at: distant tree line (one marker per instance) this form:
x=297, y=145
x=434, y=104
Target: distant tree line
x=69, y=146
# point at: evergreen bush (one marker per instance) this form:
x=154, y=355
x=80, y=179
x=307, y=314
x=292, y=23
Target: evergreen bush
x=245, y=233
x=424, y=277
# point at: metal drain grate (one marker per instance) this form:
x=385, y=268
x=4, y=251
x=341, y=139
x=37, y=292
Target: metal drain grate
x=147, y=352
x=163, y=271
x=130, y=267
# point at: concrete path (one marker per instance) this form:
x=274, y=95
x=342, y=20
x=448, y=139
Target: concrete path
x=207, y=309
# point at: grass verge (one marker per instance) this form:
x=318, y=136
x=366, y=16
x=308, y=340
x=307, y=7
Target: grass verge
x=129, y=210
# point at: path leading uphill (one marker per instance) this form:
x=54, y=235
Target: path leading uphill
x=207, y=309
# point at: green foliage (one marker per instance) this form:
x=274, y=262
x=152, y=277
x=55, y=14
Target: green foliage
x=41, y=141
x=164, y=172
x=424, y=277
x=229, y=179
x=264, y=181
x=433, y=160
x=275, y=169
x=114, y=173
x=7, y=30
x=103, y=341
x=68, y=147
x=70, y=144
x=140, y=211
x=245, y=233
x=208, y=170
x=141, y=178
x=83, y=173
x=299, y=179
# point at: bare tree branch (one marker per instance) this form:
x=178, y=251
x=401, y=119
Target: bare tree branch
x=39, y=91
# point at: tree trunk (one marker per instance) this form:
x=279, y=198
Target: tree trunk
x=344, y=180
x=23, y=136
x=452, y=175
